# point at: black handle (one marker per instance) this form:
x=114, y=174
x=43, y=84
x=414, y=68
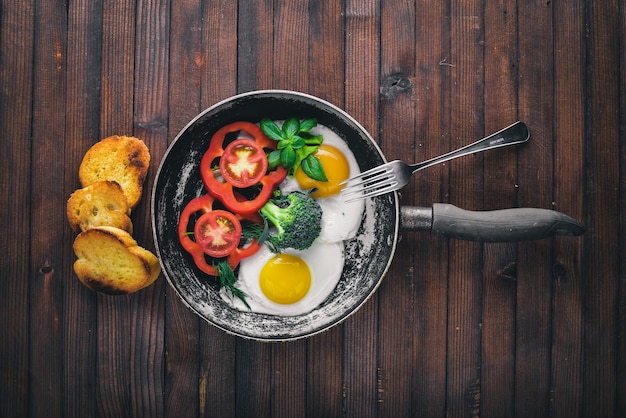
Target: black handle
x=506, y=225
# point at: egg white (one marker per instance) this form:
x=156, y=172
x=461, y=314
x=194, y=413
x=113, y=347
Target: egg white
x=325, y=261
x=340, y=220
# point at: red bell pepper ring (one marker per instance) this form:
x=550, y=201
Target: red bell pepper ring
x=204, y=204
x=223, y=190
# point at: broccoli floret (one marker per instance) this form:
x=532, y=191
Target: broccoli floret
x=297, y=219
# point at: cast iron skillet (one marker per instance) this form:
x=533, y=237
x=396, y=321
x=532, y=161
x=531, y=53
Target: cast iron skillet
x=368, y=256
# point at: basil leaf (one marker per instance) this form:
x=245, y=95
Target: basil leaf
x=273, y=159
x=288, y=157
x=291, y=127
x=271, y=130
x=297, y=142
x=283, y=143
x=313, y=139
x=307, y=124
x=312, y=167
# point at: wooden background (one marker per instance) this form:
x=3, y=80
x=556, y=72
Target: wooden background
x=456, y=329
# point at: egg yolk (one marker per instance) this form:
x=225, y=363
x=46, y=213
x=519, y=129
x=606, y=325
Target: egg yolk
x=336, y=168
x=285, y=279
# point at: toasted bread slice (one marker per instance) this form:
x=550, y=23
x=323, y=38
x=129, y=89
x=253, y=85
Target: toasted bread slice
x=110, y=261
x=102, y=203
x=123, y=159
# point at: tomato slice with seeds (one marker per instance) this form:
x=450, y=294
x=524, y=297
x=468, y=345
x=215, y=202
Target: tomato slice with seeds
x=218, y=233
x=243, y=163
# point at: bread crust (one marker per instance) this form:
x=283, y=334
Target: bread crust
x=110, y=261
x=102, y=203
x=123, y=159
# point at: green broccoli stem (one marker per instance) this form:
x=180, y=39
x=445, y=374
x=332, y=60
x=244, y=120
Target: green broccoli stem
x=276, y=215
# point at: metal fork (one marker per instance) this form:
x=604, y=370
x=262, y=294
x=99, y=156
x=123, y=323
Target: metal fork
x=396, y=174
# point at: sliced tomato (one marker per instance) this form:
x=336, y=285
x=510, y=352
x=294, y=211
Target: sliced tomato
x=243, y=163
x=218, y=233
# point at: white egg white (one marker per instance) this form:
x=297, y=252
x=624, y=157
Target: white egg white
x=325, y=262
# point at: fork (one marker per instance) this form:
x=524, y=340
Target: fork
x=396, y=174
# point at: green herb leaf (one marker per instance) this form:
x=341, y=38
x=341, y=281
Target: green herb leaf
x=297, y=142
x=312, y=167
x=312, y=139
x=273, y=159
x=291, y=127
x=288, y=157
x=271, y=130
x=295, y=145
x=227, y=281
x=307, y=124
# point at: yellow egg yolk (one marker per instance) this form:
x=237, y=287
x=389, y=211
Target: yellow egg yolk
x=285, y=279
x=336, y=168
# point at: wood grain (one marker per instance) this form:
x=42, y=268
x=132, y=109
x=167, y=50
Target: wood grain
x=534, y=272
x=45, y=284
x=567, y=272
x=455, y=329
x=16, y=83
x=499, y=191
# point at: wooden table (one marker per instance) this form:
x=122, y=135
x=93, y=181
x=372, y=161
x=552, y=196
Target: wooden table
x=457, y=328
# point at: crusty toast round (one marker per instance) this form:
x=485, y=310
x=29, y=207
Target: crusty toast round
x=110, y=261
x=123, y=159
x=102, y=203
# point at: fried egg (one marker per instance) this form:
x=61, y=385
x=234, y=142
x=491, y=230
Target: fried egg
x=290, y=283
x=340, y=220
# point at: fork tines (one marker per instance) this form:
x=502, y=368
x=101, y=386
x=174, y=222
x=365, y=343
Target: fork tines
x=370, y=183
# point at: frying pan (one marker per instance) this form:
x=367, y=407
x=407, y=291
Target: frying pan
x=367, y=257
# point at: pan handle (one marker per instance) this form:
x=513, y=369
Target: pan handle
x=505, y=225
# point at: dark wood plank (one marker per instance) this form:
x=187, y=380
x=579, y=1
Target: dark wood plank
x=327, y=50
x=466, y=107
x=361, y=101
x=621, y=333
x=534, y=268
x=432, y=45
x=186, y=62
x=255, y=45
x=396, y=297
x=566, y=391
x=16, y=84
x=602, y=175
x=254, y=369
x=46, y=258
x=114, y=332
x=82, y=121
x=499, y=191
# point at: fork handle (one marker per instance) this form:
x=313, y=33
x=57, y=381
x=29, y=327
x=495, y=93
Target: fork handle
x=505, y=225
x=512, y=134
